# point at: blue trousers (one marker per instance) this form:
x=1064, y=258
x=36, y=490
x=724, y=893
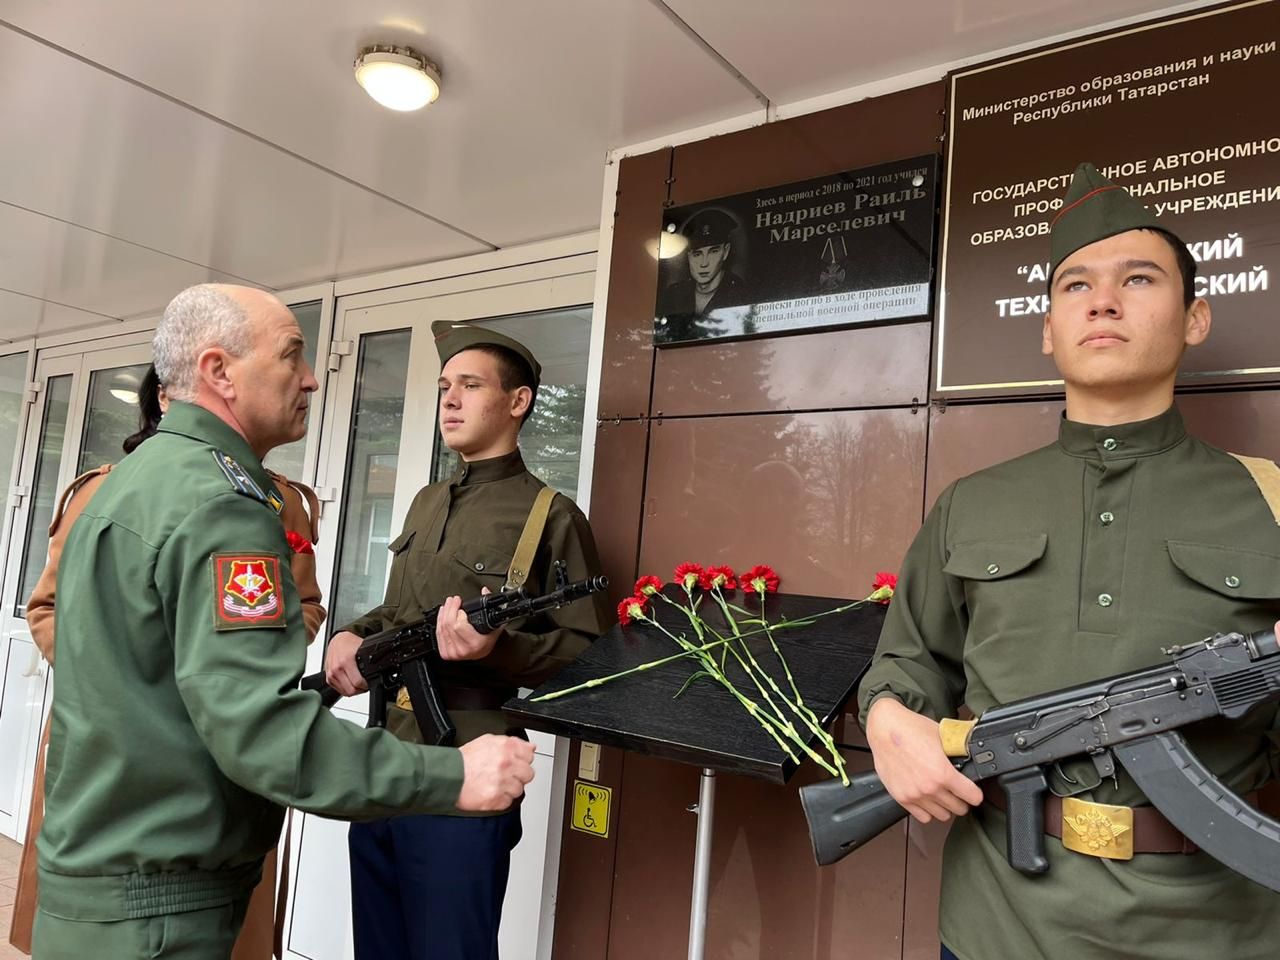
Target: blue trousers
x=430, y=887
x=947, y=954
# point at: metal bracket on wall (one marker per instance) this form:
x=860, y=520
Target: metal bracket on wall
x=617, y=420
x=939, y=405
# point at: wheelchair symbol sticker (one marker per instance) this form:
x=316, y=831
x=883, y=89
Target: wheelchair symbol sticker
x=591, y=808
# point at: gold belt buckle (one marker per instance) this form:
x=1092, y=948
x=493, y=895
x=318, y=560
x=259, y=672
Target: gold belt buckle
x=1097, y=829
x=402, y=699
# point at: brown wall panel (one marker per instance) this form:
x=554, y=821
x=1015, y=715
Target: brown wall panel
x=827, y=499
x=1246, y=422
x=768, y=899
x=653, y=874
x=892, y=127
x=924, y=883
x=585, y=888
x=617, y=484
x=771, y=900
x=633, y=286
x=860, y=367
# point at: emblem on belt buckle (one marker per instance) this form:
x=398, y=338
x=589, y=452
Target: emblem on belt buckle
x=1097, y=829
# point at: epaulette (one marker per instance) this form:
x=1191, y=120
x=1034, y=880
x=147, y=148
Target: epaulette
x=1267, y=477
x=311, y=502
x=245, y=484
x=70, y=492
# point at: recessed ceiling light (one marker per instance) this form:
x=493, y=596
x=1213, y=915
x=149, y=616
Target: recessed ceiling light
x=399, y=78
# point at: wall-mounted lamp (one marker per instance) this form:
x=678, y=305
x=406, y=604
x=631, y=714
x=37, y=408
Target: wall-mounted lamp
x=667, y=244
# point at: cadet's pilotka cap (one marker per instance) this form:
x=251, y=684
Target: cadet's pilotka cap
x=708, y=228
x=452, y=338
x=1094, y=209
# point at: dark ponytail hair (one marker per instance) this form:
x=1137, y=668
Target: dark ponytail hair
x=149, y=412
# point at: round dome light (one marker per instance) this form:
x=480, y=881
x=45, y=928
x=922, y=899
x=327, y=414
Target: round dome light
x=399, y=78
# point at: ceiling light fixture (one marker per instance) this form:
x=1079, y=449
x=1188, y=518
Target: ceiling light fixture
x=399, y=78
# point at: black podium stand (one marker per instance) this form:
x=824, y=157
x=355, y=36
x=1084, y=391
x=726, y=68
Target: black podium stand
x=706, y=726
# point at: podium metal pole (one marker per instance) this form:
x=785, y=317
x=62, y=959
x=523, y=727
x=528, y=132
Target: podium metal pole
x=706, y=811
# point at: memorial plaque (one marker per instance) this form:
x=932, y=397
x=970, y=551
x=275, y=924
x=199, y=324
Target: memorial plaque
x=849, y=248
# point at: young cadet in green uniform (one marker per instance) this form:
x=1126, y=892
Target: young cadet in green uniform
x=1074, y=562
x=178, y=734
x=431, y=887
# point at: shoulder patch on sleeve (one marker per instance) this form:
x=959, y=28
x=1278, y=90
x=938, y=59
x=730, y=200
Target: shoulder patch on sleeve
x=245, y=484
x=246, y=591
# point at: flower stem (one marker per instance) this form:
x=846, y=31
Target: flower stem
x=601, y=681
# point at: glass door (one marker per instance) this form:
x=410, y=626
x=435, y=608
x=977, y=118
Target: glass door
x=81, y=408
x=380, y=446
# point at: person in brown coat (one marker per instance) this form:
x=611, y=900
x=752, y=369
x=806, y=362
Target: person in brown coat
x=300, y=516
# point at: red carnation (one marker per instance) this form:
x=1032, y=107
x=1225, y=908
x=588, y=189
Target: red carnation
x=647, y=585
x=630, y=609
x=883, y=587
x=688, y=575
x=722, y=577
x=298, y=543
x=759, y=579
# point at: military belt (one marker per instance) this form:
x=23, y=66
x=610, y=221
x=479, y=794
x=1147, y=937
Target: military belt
x=1104, y=830
x=132, y=896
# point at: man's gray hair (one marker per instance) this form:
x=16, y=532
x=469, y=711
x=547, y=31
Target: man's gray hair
x=198, y=318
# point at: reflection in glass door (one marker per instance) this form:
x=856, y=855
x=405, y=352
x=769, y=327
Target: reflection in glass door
x=45, y=488
x=85, y=405
x=111, y=415
x=372, y=461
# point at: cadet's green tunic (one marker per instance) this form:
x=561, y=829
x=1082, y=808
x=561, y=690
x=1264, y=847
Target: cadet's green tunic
x=1074, y=562
x=459, y=536
x=178, y=733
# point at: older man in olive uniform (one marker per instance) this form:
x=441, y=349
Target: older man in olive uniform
x=1076, y=561
x=431, y=887
x=178, y=735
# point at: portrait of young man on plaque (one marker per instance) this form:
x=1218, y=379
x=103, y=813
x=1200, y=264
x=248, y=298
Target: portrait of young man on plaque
x=853, y=247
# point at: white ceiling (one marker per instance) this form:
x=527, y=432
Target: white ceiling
x=151, y=144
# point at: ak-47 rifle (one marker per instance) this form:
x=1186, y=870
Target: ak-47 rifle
x=1134, y=718
x=403, y=656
